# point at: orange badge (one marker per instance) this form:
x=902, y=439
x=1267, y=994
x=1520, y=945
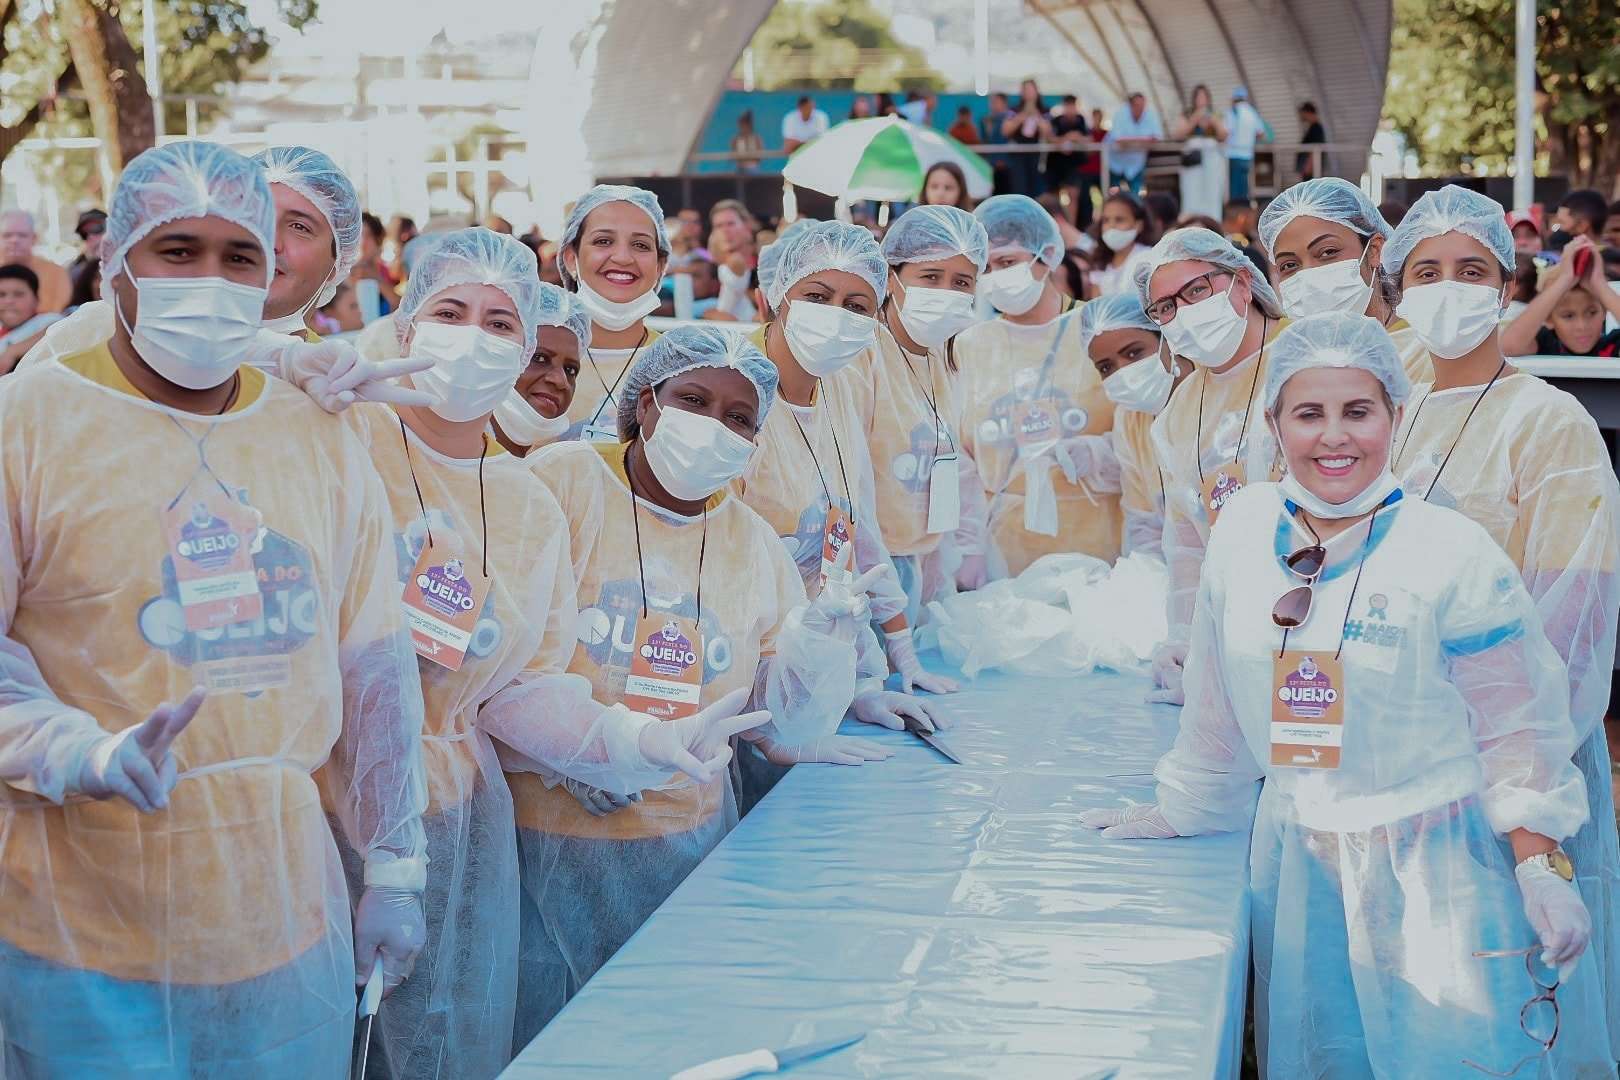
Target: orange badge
x=443, y=599
x=666, y=671
x=211, y=547
x=1219, y=486
x=1307, y=711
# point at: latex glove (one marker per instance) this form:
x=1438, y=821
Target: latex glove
x=833, y=750
x=1138, y=821
x=1169, y=664
x=1557, y=914
x=136, y=764
x=700, y=745
x=888, y=709
x=842, y=609
x=974, y=573
x=335, y=375
x=391, y=922
x=902, y=653
x=598, y=803
x=1091, y=458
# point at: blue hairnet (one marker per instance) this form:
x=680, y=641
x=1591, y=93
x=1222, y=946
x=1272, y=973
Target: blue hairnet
x=317, y=178
x=827, y=245
x=645, y=200
x=188, y=180
x=1327, y=198
x=559, y=307
x=1201, y=245
x=1451, y=209
x=686, y=348
x=924, y=233
x=1019, y=221
x=1114, y=311
x=474, y=256
x=1337, y=339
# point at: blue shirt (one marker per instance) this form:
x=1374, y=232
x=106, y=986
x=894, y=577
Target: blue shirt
x=1130, y=163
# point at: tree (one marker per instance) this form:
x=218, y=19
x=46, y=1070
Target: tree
x=1451, y=86
x=836, y=45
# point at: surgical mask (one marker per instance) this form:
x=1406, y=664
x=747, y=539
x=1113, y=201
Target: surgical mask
x=1334, y=287
x=1558, y=238
x=472, y=368
x=613, y=315
x=694, y=456
x=521, y=423
x=1451, y=318
x=294, y=324
x=1013, y=290
x=1209, y=332
x=194, y=332
x=824, y=339
x=1372, y=496
x=1119, y=239
x=934, y=316
x=1143, y=386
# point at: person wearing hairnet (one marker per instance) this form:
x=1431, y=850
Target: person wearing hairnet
x=1412, y=911
x=1124, y=347
x=1527, y=462
x=687, y=597
x=1325, y=238
x=534, y=412
x=1035, y=420
x=175, y=903
x=612, y=256
x=1215, y=311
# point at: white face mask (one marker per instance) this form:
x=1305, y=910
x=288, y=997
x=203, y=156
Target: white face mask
x=1451, y=318
x=472, y=368
x=934, y=316
x=612, y=314
x=1143, y=386
x=1014, y=290
x=1209, y=332
x=1119, y=239
x=194, y=331
x=824, y=339
x=694, y=456
x=1334, y=287
x=520, y=422
x=1371, y=496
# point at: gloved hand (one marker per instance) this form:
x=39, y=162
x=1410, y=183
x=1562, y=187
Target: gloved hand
x=335, y=375
x=1168, y=665
x=974, y=573
x=391, y=922
x=700, y=745
x=841, y=609
x=1090, y=458
x=135, y=764
x=1557, y=914
x=902, y=653
x=1138, y=821
x=597, y=802
x=832, y=750
x=888, y=709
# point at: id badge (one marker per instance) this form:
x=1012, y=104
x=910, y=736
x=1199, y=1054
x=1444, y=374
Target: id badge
x=1035, y=426
x=1307, y=710
x=944, y=495
x=666, y=671
x=1219, y=486
x=211, y=547
x=442, y=601
x=837, y=533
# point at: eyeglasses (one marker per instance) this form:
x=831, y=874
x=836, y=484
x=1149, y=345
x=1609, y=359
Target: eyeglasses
x=1199, y=288
x=1295, y=606
x=1539, y=1018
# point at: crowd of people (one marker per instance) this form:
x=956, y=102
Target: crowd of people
x=451, y=689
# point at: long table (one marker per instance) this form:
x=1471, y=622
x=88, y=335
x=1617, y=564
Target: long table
x=958, y=914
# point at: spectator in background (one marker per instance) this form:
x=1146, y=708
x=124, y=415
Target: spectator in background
x=91, y=228
x=1566, y=317
x=1203, y=170
x=1125, y=233
x=1582, y=212
x=1163, y=209
x=371, y=266
x=919, y=107
x=883, y=105
x=1069, y=130
x=1314, y=135
x=1244, y=128
x=993, y=136
x=17, y=240
x=731, y=246
x=945, y=185
x=1527, y=238
x=802, y=124
x=1523, y=287
x=964, y=131
x=860, y=108
x=21, y=321
x=1611, y=226
x=747, y=148
x=1136, y=127
x=706, y=291
x=341, y=314
x=403, y=230
x=1075, y=242
x=87, y=287
x=497, y=224
x=1393, y=211
x=1238, y=220
x=1027, y=126
x=1091, y=187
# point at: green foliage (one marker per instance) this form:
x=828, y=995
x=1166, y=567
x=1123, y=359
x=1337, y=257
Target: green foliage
x=836, y=45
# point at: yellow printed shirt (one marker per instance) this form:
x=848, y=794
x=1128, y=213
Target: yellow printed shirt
x=596, y=402
x=1414, y=354
x=1141, y=484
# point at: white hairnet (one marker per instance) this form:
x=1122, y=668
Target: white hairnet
x=188, y=180
x=1336, y=339
x=317, y=178
x=686, y=348
x=765, y=268
x=936, y=232
x=474, y=256
x=559, y=307
x=1114, y=311
x=1019, y=221
x=827, y=245
x=1327, y=198
x=1201, y=245
x=608, y=193
x=1451, y=209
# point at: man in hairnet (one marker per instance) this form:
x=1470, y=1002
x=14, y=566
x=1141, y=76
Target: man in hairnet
x=191, y=634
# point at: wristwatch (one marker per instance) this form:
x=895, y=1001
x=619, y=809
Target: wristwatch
x=1554, y=860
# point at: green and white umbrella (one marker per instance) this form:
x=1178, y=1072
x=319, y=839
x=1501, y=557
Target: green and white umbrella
x=883, y=158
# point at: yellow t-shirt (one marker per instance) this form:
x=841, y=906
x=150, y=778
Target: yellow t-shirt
x=1141, y=485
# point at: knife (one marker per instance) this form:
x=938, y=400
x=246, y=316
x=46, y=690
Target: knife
x=764, y=1061
x=913, y=726
x=366, y=1014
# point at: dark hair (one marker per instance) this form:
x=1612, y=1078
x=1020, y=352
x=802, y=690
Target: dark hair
x=1163, y=208
x=407, y=222
x=1070, y=99
x=88, y=273
x=373, y=225
x=1588, y=205
x=964, y=110
x=1307, y=106
x=1148, y=233
x=1236, y=206
x=1393, y=211
x=1524, y=278
x=963, y=200
x=1193, y=99
x=1199, y=221
x=804, y=99
x=19, y=272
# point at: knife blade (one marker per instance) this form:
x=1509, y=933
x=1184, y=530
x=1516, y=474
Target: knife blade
x=932, y=739
x=765, y=1061
x=365, y=1016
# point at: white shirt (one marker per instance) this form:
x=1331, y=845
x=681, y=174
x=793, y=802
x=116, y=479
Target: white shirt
x=1108, y=280
x=1130, y=163
x=1244, y=127
x=796, y=127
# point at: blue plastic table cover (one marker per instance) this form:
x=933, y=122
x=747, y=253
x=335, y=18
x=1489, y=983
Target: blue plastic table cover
x=958, y=914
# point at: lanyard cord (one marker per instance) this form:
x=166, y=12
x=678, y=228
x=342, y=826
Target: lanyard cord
x=614, y=389
x=1443, y=461
x=1044, y=377
x=1254, y=383
x=641, y=570
x=848, y=494
x=932, y=401
x=202, y=465
x=483, y=515
x=1350, y=605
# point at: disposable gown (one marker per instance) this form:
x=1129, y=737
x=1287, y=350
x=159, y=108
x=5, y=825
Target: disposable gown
x=1374, y=885
x=596, y=401
x=1532, y=469
x=1005, y=365
x=1141, y=499
x=1415, y=356
x=590, y=882
x=88, y=326
x=211, y=938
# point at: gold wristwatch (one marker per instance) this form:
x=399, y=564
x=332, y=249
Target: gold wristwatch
x=1554, y=860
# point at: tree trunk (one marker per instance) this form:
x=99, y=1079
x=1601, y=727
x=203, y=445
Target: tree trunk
x=1606, y=153
x=110, y=72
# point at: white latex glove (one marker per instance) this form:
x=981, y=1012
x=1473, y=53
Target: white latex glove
x=974, y=573
x=335, y=375
x=390, y=922
x=842, y=609
x=700, y=745
x=1138, y=821
x=135, y=764
x=597, y=802
x=902, y=653
x=1090, y=458
x=888, y=709
x=1557, y=914
x=1168, y=665
x=833, y=750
